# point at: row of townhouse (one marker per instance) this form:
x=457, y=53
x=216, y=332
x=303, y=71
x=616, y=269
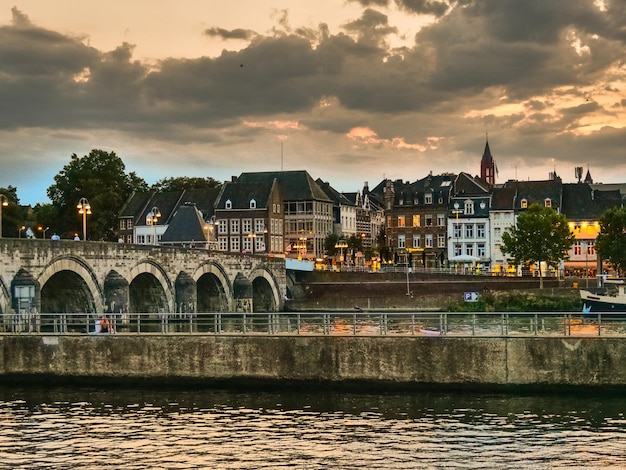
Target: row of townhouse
x=272, y=213
x=435, y=221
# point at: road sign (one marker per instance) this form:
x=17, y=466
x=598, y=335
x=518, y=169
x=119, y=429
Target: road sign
x=470, y=296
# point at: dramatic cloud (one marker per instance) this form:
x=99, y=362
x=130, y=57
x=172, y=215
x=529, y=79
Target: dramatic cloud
x=361, y=102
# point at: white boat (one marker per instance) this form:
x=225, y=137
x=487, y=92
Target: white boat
x=613, y=300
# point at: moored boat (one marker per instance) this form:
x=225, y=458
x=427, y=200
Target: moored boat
x=612, y=300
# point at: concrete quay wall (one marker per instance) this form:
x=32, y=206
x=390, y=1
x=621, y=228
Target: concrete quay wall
x=377, y=360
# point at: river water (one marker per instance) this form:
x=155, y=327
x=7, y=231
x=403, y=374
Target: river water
x=63, y=428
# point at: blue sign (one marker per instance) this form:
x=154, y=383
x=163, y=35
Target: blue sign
x=470, y=296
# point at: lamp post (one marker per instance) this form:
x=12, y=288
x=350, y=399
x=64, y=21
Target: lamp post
x=20, y=230
x=152, y=218
x=84, y=209
x=341, y=245
x=44, y=230
x=252, y=237
x=4, y=202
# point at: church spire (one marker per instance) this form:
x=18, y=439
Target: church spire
x=487, y=165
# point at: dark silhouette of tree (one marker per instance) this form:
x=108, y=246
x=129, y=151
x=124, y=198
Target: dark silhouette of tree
x=101, y=178
x=184, y=182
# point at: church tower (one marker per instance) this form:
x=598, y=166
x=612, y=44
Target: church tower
x=488, y=167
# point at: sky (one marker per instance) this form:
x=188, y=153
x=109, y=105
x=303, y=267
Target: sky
x=352, y=91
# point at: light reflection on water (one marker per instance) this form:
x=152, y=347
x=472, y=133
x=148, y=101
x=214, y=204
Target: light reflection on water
x=173, y=429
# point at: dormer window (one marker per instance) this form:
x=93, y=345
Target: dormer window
x=228, y=204
x=524, y=203
x=428, y=198
x=469, y=207
x=548, y=202
x=252, y=204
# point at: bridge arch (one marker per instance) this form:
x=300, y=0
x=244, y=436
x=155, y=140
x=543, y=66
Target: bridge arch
x=214, y=288
x=5, y=297
x=265, y=290
x=150, y=288
x=72, y=273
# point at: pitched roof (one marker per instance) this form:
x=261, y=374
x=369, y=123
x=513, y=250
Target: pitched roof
x=536, y=192
x=581, y=202
x=186, y=226
x=502, y=199
x=294, y=185
x=241, y=193
x=334, y=195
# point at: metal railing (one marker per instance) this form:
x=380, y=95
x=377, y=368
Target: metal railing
x=311, y=324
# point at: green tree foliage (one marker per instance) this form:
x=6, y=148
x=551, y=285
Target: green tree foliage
x=13, y=215
x=329, y=244
x=100, y=177
x=611, y=241
x=540, y=235
x=184, y=182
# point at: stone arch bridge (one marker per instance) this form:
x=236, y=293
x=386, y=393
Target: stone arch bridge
x=63, y=276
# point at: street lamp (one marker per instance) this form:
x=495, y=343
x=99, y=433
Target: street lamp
x=44, y=230
x=20, y=230
x=152, y=218
x=4, y=202
x=341, y=245
x=84, y=209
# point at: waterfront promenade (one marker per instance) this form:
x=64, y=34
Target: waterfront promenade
x=382, y=350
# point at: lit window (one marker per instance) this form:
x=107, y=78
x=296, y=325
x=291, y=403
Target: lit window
x=548, y=202
x=401, y=222
x=524, y=203
x=416, y=220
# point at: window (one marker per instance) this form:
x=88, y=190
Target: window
x=469, y=231
x=141, y=239
x=578, y=248
x=429, y=240
x=428, y=220
x=441, y=220
x=259, y=226
x=388, y=221
x=234, y=243
x=246, y=225
x=401, y=241
x=122, y=224
x=524, y=203
x=548, y=202
x=457, y=230
x=457, y=249
x=129, y=224
x=228, y=204
x=246, y=244
x=223, y=226
x=417, y=241
x=469, y=250
x=428, y=198
x=480, y=252
x=441, y=240
x=416, y=220
x=469, y=207
x=591, y=248
x=401, y=222
x=252, y=204
x=234, y=225
x=223, y=241
x=480, y=230
x=497, y=232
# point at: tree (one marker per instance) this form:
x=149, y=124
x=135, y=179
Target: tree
x=611, y=241
x=329, y=244
x=100, y=177
x=184, y=182
x=539, y=235
x=13, y=215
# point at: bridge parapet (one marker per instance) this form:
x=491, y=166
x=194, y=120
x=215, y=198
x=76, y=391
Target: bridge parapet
x=95, y=277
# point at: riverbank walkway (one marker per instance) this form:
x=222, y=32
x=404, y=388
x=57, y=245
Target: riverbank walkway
x=358, y=323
